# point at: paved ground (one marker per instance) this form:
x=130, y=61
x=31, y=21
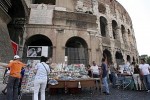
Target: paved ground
x=116, y=94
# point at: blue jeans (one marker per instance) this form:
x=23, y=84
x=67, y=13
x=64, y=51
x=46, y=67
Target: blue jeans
x=113, y=79
x=105, y=82
x=12, y=88
x=146, y=79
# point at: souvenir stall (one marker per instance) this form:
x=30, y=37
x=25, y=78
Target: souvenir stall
x=125, y=77
x=66, y=77
x=69, y=78
x=27, y=85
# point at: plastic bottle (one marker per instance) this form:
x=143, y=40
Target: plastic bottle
x=79, y=85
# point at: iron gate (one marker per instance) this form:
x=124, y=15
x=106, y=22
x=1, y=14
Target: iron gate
x=77, y=55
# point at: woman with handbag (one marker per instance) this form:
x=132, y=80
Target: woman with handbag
x=41, y=71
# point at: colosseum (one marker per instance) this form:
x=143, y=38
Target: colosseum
x=80, y=31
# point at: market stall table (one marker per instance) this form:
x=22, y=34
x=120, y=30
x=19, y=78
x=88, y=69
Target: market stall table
x=73, y=85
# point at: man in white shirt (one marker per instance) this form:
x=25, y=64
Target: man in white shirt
x=95, y=73
x=95, y=70
x=145, y=73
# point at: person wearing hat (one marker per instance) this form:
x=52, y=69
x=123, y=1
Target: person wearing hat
x=13, y=82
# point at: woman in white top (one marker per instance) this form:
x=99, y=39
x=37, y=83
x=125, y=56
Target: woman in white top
x=40, y=82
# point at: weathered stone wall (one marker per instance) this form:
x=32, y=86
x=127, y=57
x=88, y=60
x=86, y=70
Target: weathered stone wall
x=82, y=18
x=76, y=20
x=68, y=25
x=6, y=52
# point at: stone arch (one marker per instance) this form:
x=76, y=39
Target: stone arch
x=107, y=54
x=119, y=57
x=114, y=29
x=129, y=35
x=77, y=51
x=103, y=26
x=128, y=58
x=16, y=26
x=35, y=40
x=137, y=60
x=133, y=59
x=51, y=2
x=102, y=8
x=123, y=32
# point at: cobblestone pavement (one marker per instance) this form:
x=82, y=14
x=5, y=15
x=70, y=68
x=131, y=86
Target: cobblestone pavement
x=116, y=94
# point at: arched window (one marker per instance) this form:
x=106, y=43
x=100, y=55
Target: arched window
x=77, y=51
x=129, y=35
x=119, y=57
x=128, y=58
x=103, y=26
x=51, y=2
x=102, y=8
x=114, y=29
x=123, y=32
x=107, y=54
x=33, y=44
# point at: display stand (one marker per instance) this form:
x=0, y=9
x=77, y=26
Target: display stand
x=27, y=85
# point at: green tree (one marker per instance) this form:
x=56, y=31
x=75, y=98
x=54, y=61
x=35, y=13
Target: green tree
x=148, y=60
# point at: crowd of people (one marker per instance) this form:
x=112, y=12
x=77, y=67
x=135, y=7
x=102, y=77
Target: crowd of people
x=106, y=73
x=15, y=71
x=139, y=73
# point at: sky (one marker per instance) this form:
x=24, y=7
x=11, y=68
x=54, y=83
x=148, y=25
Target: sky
x=139, y=11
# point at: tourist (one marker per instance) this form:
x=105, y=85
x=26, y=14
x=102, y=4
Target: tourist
x=6, y=76
x=95, y=74
x=13, y=82
x=41, y=71
x=95, y=70
x=136, y=76
x=145, y=74
x=109, y=74
x=89, y=71
x=104, y=76
x=113, y=75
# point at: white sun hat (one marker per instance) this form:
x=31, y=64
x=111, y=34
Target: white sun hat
x=16, y=57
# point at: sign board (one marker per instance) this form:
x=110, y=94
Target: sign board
x=41, y=15
x=37, y=51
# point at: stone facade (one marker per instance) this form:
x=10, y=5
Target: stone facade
x=103, y=29
x=6, y=52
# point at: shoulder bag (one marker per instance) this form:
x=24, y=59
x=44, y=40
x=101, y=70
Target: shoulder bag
x=46, y=71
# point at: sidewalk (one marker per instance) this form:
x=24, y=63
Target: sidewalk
x=116, y=94
x=2, y=86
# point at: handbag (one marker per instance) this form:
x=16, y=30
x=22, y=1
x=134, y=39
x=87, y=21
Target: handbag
x=47, y=72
